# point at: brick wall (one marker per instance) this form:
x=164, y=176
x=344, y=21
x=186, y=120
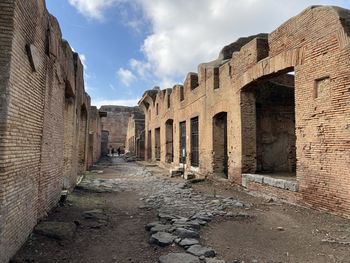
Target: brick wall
x=42, y=92
x=315, y=46
x=116, y=123
x=136, y=124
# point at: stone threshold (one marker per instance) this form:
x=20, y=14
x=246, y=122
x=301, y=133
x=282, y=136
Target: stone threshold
x=286, y=184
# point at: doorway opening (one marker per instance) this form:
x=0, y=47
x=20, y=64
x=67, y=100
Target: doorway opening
x=268, y=127
x=157, y=144
x=220, y=157
x=169, y=157
x=149, y=145
x=182, y=142
x=194, y=142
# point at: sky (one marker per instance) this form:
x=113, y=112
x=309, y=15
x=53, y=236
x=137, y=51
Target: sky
x=129, y=46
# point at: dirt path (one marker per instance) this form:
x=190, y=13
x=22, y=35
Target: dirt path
x=110, y=211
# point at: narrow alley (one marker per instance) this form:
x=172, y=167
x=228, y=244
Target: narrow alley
x=134, y=212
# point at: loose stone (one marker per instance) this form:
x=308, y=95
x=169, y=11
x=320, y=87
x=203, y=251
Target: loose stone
x=198, y=250
x=178, y=258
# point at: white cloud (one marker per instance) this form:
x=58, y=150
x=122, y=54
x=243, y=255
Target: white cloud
x=99, y=102
x=126, y=76
x=185, y=33
x=142, y=68
x=93, y=8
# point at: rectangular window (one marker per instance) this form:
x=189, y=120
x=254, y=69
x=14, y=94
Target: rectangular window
x=182, y=95
x=194, y=142
x=216, y=78
x=168, y=101
x=157, y=110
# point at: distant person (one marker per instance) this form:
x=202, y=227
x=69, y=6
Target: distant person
x=113, y=151
x=119, y=151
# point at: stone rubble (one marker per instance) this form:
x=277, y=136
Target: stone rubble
x=181, y=211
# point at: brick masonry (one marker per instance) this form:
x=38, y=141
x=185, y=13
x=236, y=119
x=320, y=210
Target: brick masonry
x=45, y=119
x=136, y=125
x=116, y=125
x=315, y=46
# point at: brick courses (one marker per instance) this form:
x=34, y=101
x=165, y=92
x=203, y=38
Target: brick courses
x=42, y=94
x=116, y=123
x=315, y=46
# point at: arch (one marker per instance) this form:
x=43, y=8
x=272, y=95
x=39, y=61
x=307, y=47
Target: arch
x=69, y=135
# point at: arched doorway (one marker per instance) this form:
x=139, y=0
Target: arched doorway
x=69, y=135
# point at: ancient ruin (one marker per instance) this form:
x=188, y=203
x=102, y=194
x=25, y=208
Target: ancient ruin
x=115, y=126
x=49, y=132
x=269, y=117
x=270, y=114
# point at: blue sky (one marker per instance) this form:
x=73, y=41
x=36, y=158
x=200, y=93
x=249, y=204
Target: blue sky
x=129, y=46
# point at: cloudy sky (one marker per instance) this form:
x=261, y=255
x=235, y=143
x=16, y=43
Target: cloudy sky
x=128, y=46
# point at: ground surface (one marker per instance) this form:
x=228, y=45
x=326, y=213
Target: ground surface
x=110, y=211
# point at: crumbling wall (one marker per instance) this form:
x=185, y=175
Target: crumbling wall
x=315, y=46
x=136, y=124
x=95, y=135
x=116, y=123
x=42, y=91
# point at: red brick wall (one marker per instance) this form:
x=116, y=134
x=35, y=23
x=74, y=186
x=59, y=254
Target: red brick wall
x=116, y=123
x=315, y=44
x=38, y=157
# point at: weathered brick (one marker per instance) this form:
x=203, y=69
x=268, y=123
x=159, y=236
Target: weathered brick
x=307, y=112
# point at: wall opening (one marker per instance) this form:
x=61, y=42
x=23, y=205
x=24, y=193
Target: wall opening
x=182, y=142
x=149, y=145
x=82, y=139
x=268, y=127
x=194, y=142
x=69, y=132
x=169, y=103
x=169, y=158
x=104, y=143
x=220, y=157
x=157, y=144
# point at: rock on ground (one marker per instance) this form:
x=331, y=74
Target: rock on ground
x=178, y=258
x=198, y=251
x=162, y=239
x=188, y=242
x=214, y=260
x=185, y=233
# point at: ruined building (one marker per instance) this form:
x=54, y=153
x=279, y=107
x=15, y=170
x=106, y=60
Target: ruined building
x=49, y=132
x=272, y=113
x=135, y=143
x=115, y=126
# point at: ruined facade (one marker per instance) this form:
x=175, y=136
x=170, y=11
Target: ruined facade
x=135, y=143
x=45, y=119
x=272, y=113
x=115, y=126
